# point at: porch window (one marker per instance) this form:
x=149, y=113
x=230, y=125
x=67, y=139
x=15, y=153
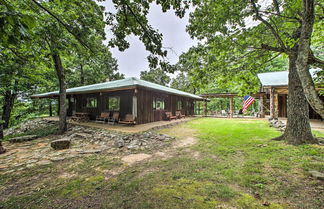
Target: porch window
x=91, y=102
x=113, y=103
x=158, y=103
x=179, y=105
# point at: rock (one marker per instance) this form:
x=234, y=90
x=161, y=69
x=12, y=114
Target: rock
x=119, y=143
x=133, y=147
x=44, y=162
x=317, y=175
x=2, y=150
x=61, y=144
x=320, y=140
x=80, y=135
x=56, y=159
x=91, y=151
x=22, y=138
x=160, y=137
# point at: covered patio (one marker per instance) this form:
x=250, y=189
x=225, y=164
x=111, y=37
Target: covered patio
x=230, y=96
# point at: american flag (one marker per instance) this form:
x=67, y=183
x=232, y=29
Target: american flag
x=248, y=100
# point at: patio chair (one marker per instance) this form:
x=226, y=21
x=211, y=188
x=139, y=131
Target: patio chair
x=103, y=117
x=114, y=119
x=129, y=119
x=169, y=116
x=179, y=115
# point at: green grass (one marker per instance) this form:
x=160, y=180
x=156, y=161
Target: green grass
x=239, y=166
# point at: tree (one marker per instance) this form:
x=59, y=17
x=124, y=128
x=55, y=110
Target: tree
x=2, y=149
x=183, y=83
x=236, y=50
x=157, y=75
x=81, y=68
x=85, y=25
x=305, y=56
x=80, y=21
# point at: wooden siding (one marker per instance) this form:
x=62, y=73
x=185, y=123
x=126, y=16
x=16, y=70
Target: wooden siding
x=102, y=102
x=145, y=112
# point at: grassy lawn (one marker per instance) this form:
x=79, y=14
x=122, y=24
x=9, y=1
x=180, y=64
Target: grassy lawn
x=234, y=164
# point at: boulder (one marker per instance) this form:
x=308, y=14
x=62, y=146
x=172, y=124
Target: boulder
x=317, y=175
x=61, y=144
x=22, y=138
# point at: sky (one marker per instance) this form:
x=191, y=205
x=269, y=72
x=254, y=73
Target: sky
x=133, y=60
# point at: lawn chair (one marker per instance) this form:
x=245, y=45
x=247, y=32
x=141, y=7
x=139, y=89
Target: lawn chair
x=129, y=119
x=179, y=115
x=114, y=119
x=169, y=116
x=103, y=117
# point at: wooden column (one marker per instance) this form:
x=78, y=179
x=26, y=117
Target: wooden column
x=50, y=108
x=205, y=108
x=198, y=108
x=262, y=106
x=231, y=107
x=273, y=104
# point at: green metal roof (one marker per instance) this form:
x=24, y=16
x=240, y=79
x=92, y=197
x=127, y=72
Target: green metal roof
x=124, y=83
x=278, y=78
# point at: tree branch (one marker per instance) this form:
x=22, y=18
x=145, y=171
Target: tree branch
x=280, y=15
x=276, y=5
x=66, y=26
x=273, y=31
x=312, y=60
x=270, y=48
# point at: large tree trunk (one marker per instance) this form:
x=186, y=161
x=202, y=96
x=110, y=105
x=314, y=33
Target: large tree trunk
x=2, y=149
x=60, y=74
x=9, y=99
x=298, y=130
x=303, y=57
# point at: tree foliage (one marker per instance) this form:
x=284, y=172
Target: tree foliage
x=156, y=75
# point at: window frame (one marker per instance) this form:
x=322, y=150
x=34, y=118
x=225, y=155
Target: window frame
x=108, y=106
x=88, y=102
x=181, y=105
x=159, y=100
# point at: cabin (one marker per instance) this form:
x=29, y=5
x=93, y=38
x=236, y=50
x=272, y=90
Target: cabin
x=274, y=86
x=146, y=101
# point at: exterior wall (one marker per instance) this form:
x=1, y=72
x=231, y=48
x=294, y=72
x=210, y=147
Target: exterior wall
x=145, y=112
x=280, y=97
x=102, y=102
x=282, y=103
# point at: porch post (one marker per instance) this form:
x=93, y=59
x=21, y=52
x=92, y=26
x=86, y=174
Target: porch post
x=205, y=108
x=262, y=105
x=50, y=108
x=198, y=108
x=273, y=104
x=231, y=107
